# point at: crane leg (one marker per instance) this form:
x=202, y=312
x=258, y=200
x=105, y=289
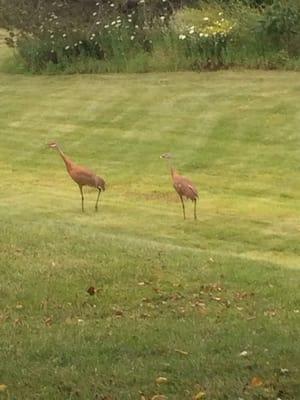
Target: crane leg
x=96, y=206
x=183, y=208
x=195, y=211
x=82, y=198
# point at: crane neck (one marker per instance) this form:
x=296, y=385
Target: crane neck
x=172, y=169
x=66, y=160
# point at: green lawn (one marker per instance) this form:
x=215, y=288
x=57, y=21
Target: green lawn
x=175, y=299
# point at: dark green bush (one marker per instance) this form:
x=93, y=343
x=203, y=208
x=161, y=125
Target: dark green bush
x=280, y=24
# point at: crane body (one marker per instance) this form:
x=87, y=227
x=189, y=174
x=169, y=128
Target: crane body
x=81, y=175
x=183, y=186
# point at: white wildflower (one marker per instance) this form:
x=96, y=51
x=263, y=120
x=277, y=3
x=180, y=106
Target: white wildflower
x=132, y=37
x=106, y=26
x=94, y=14
x=64, y=35
x=162, y=17
x=182, y=37
x=67, y=47
x=205, y=19
x=284, y=370
x=98, y=23
x=113, y=23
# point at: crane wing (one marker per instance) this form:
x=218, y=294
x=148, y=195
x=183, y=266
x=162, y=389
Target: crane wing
x=184, y=187
x=193, y=189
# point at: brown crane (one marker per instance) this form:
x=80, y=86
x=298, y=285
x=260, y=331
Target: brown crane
x=81, y=175
x=183, y=186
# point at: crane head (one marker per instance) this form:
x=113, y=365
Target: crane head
x=53, y=145
x=166, y=156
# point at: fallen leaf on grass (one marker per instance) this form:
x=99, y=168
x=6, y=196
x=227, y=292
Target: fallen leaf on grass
x=145, y=315
x=91, y=290
x=270, y=313
x=198, y=304
x=118, y=313
x=18, y=321
x=161, y=379
x=184, y=353
x=256, y=382
x=159, y=397
x=48, y=321
x=156, y=290
x=199, y=396
x=216, y=298
x=243, y=295
x=3, y=387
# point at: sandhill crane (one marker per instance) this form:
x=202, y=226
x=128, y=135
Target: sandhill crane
x=81, y=175
x=183, y=186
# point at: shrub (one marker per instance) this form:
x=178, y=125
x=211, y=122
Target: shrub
x=109, y=36
x=155, y=35
x=204, y=34
x=280, y=24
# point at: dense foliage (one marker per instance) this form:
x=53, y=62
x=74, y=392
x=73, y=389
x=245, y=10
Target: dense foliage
x=141, y=35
